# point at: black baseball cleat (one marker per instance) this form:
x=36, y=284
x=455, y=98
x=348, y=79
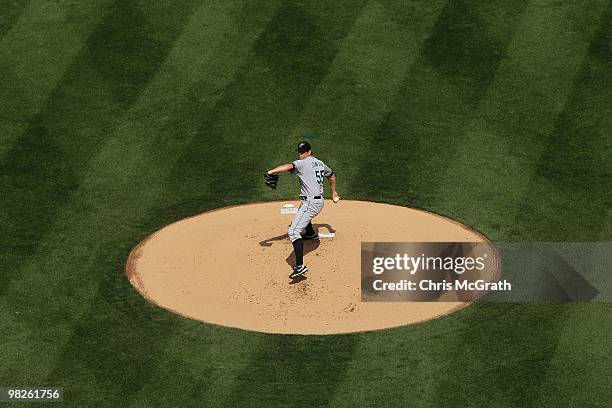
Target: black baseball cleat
x=298, y=271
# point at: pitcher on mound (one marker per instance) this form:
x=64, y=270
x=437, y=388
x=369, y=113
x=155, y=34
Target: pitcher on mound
x=311, y=172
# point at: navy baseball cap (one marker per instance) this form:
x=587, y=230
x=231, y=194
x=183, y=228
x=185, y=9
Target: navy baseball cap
x=303, y=147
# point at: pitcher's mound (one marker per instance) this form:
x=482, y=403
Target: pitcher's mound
x=231, y=267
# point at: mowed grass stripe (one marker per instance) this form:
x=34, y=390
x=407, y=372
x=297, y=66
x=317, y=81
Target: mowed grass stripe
x=122, y=184
x=10, y=10
x=50, y=159
x=420, y=389
x=358, y=91
x=579, y=370
x=400, y=364
x=569, y=200
x=506, y=140
x=500, y=147
x=287, y=365
x=35, y=55
x=606, y=232
x=500, y=353
x=143, y=166
x=570, y=192
x=48, y=165
x=199, y=363
x=455, y=68
x=225, y=162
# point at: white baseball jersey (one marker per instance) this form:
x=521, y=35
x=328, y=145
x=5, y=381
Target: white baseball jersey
x=311, y=172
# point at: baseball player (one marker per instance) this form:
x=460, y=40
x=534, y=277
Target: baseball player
x=311, y=172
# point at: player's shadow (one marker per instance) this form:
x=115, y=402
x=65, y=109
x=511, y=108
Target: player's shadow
x=309, y=246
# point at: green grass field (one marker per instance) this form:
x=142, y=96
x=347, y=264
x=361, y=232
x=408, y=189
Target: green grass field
x=119, y=117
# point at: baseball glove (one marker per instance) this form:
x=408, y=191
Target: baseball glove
x=271, y=180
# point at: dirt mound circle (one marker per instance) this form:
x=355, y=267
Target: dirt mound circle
x=230, y=267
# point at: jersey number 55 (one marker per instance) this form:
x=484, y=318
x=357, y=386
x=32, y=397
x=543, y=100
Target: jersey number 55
x=319, y=175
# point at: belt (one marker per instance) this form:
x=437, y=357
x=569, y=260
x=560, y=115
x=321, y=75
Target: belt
x=306, y=197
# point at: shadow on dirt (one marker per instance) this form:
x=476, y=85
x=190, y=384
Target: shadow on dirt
x=309, y=245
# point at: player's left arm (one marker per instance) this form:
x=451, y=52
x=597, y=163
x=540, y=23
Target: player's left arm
x=282, y=168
